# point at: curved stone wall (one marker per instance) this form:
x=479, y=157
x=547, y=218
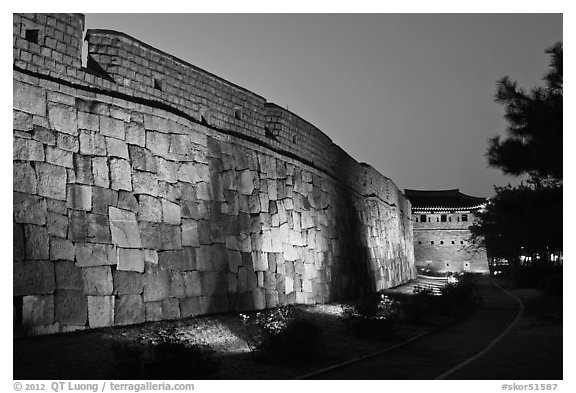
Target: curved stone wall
x=148, y=189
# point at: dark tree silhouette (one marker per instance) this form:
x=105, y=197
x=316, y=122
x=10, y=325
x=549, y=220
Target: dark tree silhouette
x=534, y=143
x=527, y=220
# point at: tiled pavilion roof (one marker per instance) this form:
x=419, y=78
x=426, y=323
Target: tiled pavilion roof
x=443, y=199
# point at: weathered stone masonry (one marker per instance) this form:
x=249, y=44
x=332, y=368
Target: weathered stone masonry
x=148, y=189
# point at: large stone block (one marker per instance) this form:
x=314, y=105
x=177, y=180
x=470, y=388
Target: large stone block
x=27, y=150
x=88, y=121
x=271, y=298
x=167, y=170
x=98, y=230
x=259, y=261
x=128, y=283
x=160, y=236
x=63, y=119
x=38, y=310
x=129, y=309
x=24, y=178
x=192, y=286
x=124, y=228
x=67, y=142
x=112, y=127
x=51, y=181
x=19, y=247
x=190, y=233
x=204, y=234
x=153, y=311
x=59, y=157
x=100, y=311
x=246, y=183
x=37, y=242
x=180, y=145
x=142, y=159
x=130, y=259
x=213, y=283
x=232, y=283
x=168, y=191
x=170, y=309
x=29, y=209
x=177, y=288
x=135, y=134
x=127, y=201
x=97, y=280
x=151, y=256
x=145, y=183
x=22, y=121
x=179, y=260
x=269, y=280
x=117, y=148
x=92, y=144
x=212, y=258
x=194, y=172
x=191, y=307
x=68, y=276
x=170, y=212
x=83, y=169
x=79, y=197
x=120, y=174
x=100, y=172
x=102, y=198
x=90, y=254
x=149, y=208
x=158, y=143
x=204, y=192
x=61, y=249
x=234, y=260
x=156, y=284
x=259, y=297
x=71, y=307
x=33, y=278
x=27, y=98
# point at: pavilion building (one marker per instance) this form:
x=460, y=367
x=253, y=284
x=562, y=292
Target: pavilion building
x=442, y=221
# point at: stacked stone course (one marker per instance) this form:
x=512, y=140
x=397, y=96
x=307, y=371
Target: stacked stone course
x=129, y=210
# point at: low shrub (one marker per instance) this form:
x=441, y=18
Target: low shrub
x=418, y=308
x=372, y=316
x=282, y=334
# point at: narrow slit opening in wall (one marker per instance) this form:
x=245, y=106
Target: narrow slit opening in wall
x=32, y=35
x=238, y=113
x=158, y=84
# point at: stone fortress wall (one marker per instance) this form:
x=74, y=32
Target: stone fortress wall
x=148, y=189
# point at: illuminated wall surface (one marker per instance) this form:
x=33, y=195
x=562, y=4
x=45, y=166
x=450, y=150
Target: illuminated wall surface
x=147, y=189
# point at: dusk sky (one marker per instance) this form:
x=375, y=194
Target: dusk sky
x=410, y=94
